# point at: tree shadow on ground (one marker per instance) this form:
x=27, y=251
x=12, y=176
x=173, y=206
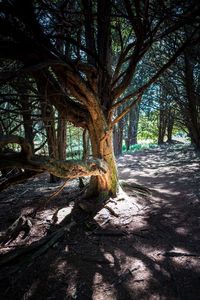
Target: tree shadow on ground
x=134, y=265
x=160, y=259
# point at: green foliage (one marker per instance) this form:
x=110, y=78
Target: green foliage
x=148, y=127
x=139, y=147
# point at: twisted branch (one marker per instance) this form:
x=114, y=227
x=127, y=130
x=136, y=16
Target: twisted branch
x=65, y=169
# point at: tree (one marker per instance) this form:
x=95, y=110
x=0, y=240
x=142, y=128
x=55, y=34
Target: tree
x=182, y=85
x=104, y=42
x=192, y=107
x=132, y=127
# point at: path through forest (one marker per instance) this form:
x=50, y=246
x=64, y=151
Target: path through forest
x=150, y=249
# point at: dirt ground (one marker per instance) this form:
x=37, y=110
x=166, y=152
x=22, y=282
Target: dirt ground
x=149, y=250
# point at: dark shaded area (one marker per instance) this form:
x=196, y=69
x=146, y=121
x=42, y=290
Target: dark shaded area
x=151, y=254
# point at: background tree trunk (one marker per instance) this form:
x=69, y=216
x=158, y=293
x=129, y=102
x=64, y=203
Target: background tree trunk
x=163, y=117
x=118, y=134
x=118, y=138
x=27, y=120
x=193, y=100
x=170, y=125
x=61, y=137
x=132, y=127
x=49, y=123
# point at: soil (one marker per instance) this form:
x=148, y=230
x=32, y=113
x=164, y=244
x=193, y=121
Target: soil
x=150, y=248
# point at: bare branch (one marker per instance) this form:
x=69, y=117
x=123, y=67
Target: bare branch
x=126, y=110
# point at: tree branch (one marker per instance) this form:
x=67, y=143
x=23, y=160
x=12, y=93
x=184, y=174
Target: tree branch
x=64, y=169
x=156, y=76
x=126, y=110
x=26, y=150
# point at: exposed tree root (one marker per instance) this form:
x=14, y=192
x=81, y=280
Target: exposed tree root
x=82, y=212
x=54, y=238
x=112, y=212
x=138, y=188
x=124, y=276
x=56, y=193
x=92, y=205
x=177, y=254
x=28, y=254
x=23, y=223
x=109, y=233
x=16, y=179
x=37, y=248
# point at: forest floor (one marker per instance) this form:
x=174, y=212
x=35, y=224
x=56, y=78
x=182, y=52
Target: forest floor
x=149, y=250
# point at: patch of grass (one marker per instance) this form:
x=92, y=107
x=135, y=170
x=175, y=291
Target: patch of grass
x=139, y=147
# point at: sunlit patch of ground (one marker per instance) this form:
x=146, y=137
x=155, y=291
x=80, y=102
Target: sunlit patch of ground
x=150, y=248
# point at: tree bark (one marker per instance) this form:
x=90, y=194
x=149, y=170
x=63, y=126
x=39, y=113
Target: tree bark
x=193, y=100
x=170, y=125
x=27, y=120
x=61, y=137
x=132, y=127
x=162, y=122
x=64, y=169
x=102, y=148
x=118, y=138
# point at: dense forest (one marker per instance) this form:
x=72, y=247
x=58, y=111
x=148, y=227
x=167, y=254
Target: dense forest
x=88, y=90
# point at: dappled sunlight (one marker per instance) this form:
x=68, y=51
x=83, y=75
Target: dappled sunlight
x=62, y=214
x=60, y=265
x=98, y=95
x=182, y=231
x=125, y=170
x=184, y=261
x=167, y=191
x=99, y=285
x=179, y=251
x=140, y=249
x=71, y=288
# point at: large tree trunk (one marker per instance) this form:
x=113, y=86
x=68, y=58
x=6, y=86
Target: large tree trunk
x=99, y=124
x=102, y=148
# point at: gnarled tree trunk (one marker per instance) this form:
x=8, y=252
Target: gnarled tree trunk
x=102, y=147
